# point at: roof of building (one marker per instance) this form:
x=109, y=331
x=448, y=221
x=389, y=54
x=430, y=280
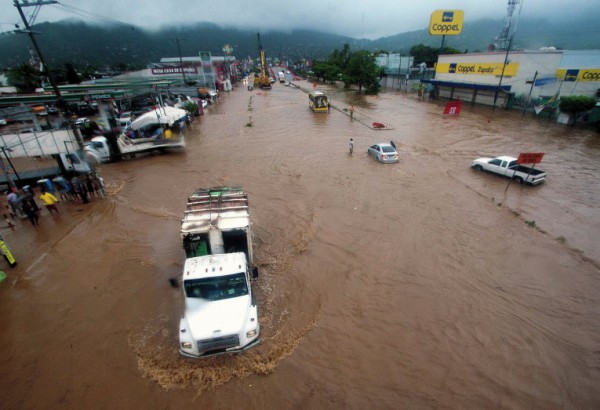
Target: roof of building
x=580, y=59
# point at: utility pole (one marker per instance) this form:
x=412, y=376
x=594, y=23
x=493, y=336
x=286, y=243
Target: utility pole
x=28, y=31
x=180, y=60
x=35, y=44
x=530, y=91
x=502, y=74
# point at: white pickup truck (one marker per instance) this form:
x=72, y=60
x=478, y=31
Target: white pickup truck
x=510, y=168
x=221, y=313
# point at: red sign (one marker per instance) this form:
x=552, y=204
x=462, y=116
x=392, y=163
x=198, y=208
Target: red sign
x=530, y=157
x=453, y=108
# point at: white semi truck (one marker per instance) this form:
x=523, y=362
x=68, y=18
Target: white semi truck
x=220, y=314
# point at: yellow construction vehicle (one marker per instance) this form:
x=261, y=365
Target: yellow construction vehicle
x=262, y=80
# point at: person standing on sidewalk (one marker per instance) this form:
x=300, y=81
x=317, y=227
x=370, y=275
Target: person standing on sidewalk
x=49, y=201
x=79, y=189
x=30, y=211
x=351, y=146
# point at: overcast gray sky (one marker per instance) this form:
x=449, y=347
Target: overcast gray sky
x=354, y=18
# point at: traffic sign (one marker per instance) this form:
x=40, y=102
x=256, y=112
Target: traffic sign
x=453, y=107
x=530, y=157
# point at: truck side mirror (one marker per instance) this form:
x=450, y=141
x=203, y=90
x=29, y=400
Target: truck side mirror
x=254, y=272
x=174, y=282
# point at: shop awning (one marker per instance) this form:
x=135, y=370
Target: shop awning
x=473, y=86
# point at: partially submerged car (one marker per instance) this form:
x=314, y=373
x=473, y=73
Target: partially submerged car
x=383, y=152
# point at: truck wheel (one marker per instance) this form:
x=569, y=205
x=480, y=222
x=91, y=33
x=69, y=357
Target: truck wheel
x=478, y=168
x=518, y=180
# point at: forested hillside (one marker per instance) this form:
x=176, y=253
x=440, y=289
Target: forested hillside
x=83, y=44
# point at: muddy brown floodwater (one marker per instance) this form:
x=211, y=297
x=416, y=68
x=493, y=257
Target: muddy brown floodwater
x=422, y=284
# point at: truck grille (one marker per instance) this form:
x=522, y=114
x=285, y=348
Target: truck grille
x=218, y=344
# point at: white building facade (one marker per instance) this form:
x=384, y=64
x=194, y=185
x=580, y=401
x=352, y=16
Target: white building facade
x=496, y=78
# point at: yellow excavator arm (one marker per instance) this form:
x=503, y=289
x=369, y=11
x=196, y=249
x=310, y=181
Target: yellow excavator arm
x=263, y=81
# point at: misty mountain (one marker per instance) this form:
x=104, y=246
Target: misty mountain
x=84, y=44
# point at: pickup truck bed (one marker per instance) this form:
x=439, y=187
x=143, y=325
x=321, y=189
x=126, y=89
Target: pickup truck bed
x=510, y=168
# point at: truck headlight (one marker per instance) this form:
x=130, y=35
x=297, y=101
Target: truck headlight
x=251, y=333
x=186, y=345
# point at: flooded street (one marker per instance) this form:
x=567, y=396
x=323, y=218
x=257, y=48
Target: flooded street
x=422, y=284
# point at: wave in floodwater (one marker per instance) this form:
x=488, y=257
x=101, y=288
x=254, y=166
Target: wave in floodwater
x=155, y=343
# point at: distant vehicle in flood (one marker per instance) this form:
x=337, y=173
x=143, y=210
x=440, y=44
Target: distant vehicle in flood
x=510, y=168
x=384, y=153
x=156, y=130
x=318, y=101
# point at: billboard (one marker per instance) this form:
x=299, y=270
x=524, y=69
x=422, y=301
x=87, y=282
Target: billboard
x=494, y=69
x=205, y=56
x=446, y=22
x=172, y=69
x=581, y=74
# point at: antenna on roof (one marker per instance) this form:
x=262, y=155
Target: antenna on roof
x=502, y=41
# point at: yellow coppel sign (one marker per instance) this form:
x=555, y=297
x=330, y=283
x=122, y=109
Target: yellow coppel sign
x=446, y=22
x=579, y=74
x=494, y=69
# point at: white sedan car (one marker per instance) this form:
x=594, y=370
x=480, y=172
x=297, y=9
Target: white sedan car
x=383, y=152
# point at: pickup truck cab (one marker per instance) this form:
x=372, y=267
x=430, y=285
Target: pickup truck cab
x=510, y=168
x=220, y=315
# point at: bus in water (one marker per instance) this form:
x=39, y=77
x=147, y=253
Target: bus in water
x=318, y=101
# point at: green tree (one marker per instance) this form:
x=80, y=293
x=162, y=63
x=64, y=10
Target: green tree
x=326, y=72
x=576, y=104
x=362, y=71
x=71, y=74
x=341, y=57
x=24, y=78
x=429, y=55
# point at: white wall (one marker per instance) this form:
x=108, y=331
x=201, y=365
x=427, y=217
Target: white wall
x=544, y=62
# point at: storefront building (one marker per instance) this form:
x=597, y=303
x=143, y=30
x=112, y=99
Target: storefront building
x=499, y=78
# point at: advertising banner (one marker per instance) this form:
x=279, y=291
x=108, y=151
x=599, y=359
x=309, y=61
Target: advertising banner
x=582, y=74
x=446, y=22
x=494, y=69
x=166, y=70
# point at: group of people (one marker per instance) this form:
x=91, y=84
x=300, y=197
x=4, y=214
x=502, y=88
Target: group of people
x=23, y=205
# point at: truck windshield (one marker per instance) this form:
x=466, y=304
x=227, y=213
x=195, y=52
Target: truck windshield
x=217, y=288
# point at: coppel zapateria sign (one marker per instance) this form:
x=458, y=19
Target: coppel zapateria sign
x=580, y=74
x=446, y=22
x=493, y=69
